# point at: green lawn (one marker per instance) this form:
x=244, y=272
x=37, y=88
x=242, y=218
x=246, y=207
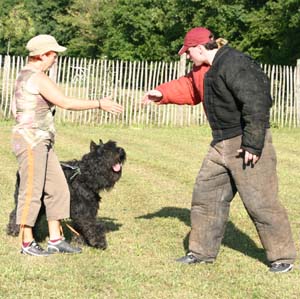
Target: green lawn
x=147, y=214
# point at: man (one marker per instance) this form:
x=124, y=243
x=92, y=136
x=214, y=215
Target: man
x=241, y=158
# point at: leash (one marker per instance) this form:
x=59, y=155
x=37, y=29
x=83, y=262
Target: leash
x=72, y=229
x=76, y=170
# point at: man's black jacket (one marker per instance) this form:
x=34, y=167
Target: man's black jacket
x=237, y=99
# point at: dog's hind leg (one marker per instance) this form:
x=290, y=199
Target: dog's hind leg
x=12, y=228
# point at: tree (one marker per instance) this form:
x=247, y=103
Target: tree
x=85, y=25
x=135, y=31
x=274, y=35
x=268, y=30
x=44, y=14
x=16, y=28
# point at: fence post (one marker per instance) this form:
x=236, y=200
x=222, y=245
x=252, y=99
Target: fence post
x=6, y=84
x=53, y=72
x=182, y=71
x=182, y=65
x=297, y=92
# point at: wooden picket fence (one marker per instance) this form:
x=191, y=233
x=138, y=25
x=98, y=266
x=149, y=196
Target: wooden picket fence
x=126, y=82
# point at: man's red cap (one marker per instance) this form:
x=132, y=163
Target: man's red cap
x=196, y=36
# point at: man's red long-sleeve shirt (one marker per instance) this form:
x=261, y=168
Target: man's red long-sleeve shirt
x=186, y=90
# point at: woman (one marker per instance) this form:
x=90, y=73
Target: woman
x=33, y=138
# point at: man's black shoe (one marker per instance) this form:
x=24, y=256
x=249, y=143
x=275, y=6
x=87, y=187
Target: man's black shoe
x=190, y=258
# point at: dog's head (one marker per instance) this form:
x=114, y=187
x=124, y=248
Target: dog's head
x=110, y=152
x=104, y=163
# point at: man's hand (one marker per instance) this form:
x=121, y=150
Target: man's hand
x=152, y=96
x=248, y=157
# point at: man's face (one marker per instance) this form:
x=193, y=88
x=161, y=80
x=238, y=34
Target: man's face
x=197, y=55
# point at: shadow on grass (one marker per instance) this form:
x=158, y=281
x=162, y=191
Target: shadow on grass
x=233, y=237
x=41, y=229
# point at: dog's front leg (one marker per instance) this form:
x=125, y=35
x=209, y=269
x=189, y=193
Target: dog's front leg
x=93, y=233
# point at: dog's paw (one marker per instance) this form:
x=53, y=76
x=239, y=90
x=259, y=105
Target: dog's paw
x=13, y=230
x=78, y=239
x=99, y=244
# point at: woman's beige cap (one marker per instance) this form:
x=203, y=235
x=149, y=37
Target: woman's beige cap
x=42, y=44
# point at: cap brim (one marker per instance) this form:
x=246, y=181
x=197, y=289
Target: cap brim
x=60, y=49
x=183, y=50
x=46, y=49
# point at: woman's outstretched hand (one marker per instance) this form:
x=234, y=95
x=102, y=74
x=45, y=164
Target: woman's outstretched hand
x=110, y=106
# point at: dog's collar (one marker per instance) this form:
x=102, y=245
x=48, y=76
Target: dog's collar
x=76, y=170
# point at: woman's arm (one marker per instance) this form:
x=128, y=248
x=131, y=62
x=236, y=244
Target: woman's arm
x=50, y=91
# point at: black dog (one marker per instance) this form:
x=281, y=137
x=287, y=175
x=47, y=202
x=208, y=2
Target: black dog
x=97, y=170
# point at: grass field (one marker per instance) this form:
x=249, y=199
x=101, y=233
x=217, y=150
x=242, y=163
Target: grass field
x=147, y=215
